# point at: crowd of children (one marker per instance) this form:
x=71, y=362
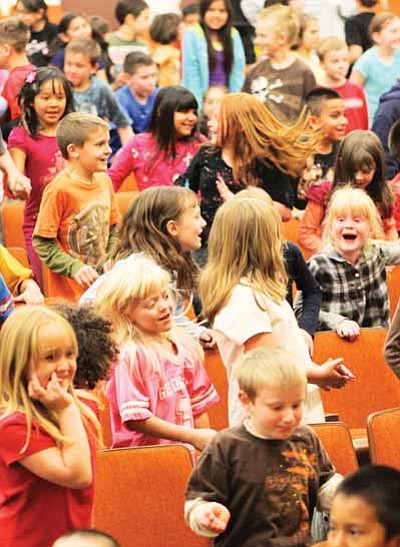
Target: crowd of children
x=232, y=119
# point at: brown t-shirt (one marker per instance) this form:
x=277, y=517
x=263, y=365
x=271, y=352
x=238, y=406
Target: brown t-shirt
x=282, y=91
x=269, y=486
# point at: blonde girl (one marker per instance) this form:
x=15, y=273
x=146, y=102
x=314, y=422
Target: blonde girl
x=252, y=148
x=47, y=434
x=308, y=40
x=159, y=391
x=350, y=269
x=243, y=293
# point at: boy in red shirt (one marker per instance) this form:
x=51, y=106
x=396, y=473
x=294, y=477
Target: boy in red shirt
x=76, y=229
x=14, y=37
x=334, y=56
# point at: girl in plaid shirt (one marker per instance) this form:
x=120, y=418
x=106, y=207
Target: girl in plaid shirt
x=351, y=268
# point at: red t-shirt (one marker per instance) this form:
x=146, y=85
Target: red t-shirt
x=12, y=87
x=33, y=511
x=355, y=104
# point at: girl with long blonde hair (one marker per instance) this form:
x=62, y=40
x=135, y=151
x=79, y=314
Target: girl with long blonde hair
x=47, y=434
x=243, y=292
x=159, y=391
x=252, y=148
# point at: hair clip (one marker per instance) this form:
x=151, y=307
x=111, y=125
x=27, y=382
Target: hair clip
x=31, y=76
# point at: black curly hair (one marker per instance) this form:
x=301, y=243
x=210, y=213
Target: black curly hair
x=96, y=347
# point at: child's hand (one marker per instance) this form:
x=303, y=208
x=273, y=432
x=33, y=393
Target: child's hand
x=201, y=437
x=30, y=294
x=86, y=276
x=19, y=185
x=53, y=396
x=333, y=374
x=223, y=190
x=207, y=339
x=212, y=516
x=348, y=329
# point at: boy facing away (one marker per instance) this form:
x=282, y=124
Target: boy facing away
x=257, y=484
x=76, y=229
x=14, y=38
x=366, y=509
x=282, y=81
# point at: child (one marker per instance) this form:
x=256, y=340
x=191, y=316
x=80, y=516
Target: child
x=76, y=228
x=14, y=38
x=91, y=94
x=282, y=81
x=365, y=509
x=245, y=279
x=47, y=435
x=73, y=26
x=96, y=347
x=191, y=15
x=379, y=67
x=360, y=162
x=165, y=224
x=158, y=156
x=159, y=391
x=290, y=471
x=45, y=99
x=91, y=538
x=34, y=14
x=328, y=119
x=334, y=56
x=350, y=269
x=138, y=95
x=356, y=29
x=212, y=51
x=307, y=44
x=252, y=149
x=211, y=100
x=133, y=19
x=165, y=31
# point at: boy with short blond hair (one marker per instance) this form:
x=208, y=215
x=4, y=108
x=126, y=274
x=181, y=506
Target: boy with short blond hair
x=334, y=56
x=282, y=81
x=270, y=500
x=76, y=229
x=14, y=38
x=91, y=94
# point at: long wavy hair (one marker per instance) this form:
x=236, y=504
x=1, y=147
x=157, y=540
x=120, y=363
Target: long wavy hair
x=363, y=150
x=244, y=247
x=144, y=229
x=254, y=134
x=21, y=340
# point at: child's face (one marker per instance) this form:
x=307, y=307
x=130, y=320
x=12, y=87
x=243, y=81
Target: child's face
x=336, y=64
x=5, y=51
x=275, y=412
x=311, y=35
x=185, y=122
x=57, y=355
x=211, y=100
x=153, y=315
x=187, y=228
x=93, y=155
x=216, y=16
x=349, y=235
x=78, y=69
x=363, y=177
x=191, y=19
x=78, y=28
x=267, y=38
x=332, y=120
x=389, y=36
x=140, y=23
x=30, y=18
x=353, y=523
x=50, y=103
x=143, y=81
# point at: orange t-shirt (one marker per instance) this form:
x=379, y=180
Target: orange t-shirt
x=78, y=214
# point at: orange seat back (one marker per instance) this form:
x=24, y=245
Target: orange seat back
x=383, y=435
x=336, y=438
x=12, y=216
x=217, y=372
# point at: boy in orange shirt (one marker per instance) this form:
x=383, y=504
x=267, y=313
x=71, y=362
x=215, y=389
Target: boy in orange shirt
x=75, y=232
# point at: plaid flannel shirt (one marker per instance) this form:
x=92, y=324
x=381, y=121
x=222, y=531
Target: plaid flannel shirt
x=356, y=292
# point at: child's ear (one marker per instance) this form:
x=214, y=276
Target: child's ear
x=172, y=228
x=73, y=151
x=64, y=37
x=314, y=122
x=243, y=398
x=5, y=49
